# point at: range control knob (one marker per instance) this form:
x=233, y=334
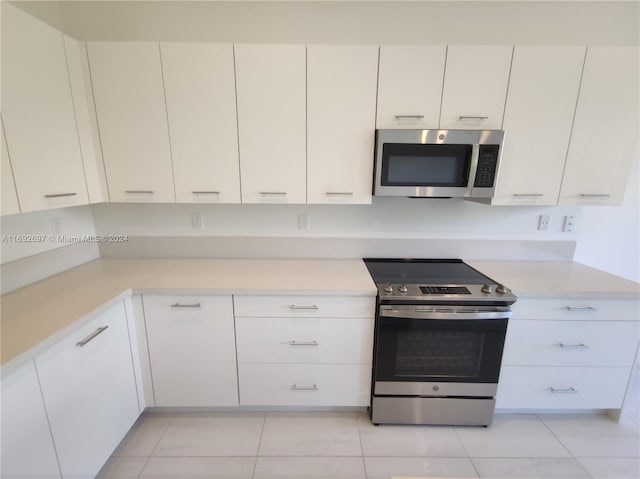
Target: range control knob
x=402, y=288
x=502, y=289
x=486, y=288
x=388, y=288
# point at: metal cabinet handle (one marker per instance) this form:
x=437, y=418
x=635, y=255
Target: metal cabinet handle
x=205, y=192
x=472, y=117
x=179, y=305
x=313, y=307
x=59, y=195
x=409, y=117
x=139, y=192
x=89, y=338
x=573, y=346
x=586, y=309
x=594, y=195
x=528, y=195
x=273, y=193
x=304, y=343
x=295, y=387
x=569, y=390
x=339, y=193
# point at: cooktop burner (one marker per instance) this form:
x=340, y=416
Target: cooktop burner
x=436, y=281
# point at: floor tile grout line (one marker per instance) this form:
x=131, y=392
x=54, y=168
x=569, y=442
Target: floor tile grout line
x=566, y=448
x=364, y=463
x=255, y=463
x=473, y=464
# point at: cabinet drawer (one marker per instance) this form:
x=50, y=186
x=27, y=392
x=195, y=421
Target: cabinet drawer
x=304, y=340
x=305, y=306
x=304, y=384
x=571, y=343
x=575, y=309
x=523, y=387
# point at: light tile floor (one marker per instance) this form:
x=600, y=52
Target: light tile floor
x=345, y=445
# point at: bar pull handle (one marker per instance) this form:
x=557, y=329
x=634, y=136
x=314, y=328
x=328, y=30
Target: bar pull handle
x=273, y=193
x=304, y=343
x=295, y=387
x=139, y=192
x=573, y=346
x=473, y=117
x=205, y=192
x=409, y=117
x=92, y=336
x=59, y=195
x=569, y=390
x=585, y=309
x=595, y=195
x=339, y=193
x=310, y=307
x=180, y=305
x=528, y=195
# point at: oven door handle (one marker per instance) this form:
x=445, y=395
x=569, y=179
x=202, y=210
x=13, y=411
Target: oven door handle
x=431, y=315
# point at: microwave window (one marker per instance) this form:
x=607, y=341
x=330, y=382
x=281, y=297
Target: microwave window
x=426, y=165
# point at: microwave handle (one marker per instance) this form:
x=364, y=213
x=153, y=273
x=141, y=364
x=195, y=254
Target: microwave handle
x=473, y=168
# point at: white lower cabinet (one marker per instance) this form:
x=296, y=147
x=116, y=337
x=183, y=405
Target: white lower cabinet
x=192, y=350
x=312, y=354
x=89, y=391
x=27, y=445
x=568, y=353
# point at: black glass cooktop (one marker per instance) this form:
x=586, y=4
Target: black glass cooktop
x=424, y=271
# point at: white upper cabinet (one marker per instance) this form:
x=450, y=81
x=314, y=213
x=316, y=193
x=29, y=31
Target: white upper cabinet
x=341, y=110
x=38, y=113
x=475, y=86
x=130, y=105
x=199, y=85
x=604, y=141
x=410, y=86
x=9, y=204
x=541, y=102
x=271, y=89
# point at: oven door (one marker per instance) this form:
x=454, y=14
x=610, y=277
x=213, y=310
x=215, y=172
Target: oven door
x=439, y=351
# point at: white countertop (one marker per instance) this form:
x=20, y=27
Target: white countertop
x=37, y=315
x=40, y=313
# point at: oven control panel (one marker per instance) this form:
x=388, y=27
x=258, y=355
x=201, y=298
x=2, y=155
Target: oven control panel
x=446, y=293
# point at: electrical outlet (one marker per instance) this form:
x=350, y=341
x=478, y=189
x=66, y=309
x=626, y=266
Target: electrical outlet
x=543, y=223
x=304, y=222
x=569, y=224
x=56, y=226
x=197, y=221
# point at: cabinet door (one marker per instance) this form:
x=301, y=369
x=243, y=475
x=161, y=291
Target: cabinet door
x=199, y=84
x=9, y=195
x=604, y=141
x=410, y=86
x=475, y=86
x=27, y=446
x=132, y=118
x=341, y=110
x=89, y=391
x=271, y=87
x=543, y=91
x=192, y=350
x=39, y=119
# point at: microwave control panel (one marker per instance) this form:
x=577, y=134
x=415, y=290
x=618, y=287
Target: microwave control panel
x=487, y=165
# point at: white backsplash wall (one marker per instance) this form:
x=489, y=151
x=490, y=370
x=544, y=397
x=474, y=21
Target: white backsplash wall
x=385, y=218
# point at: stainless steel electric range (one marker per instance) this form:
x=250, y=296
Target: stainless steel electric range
x=439, y=337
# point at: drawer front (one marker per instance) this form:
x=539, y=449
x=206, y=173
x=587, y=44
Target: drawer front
x=571, y=343
x=304, y=340
x=523, y=387
x=305, y=306
x=304, y=384
x=577, y=309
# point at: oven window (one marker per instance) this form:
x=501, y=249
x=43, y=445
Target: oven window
x=439, y=350
x=425, y=165
x=439, y=353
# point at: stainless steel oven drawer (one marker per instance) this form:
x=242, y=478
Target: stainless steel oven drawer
x=448, y=411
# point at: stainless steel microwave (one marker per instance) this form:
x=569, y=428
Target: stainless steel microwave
x=437, y=163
